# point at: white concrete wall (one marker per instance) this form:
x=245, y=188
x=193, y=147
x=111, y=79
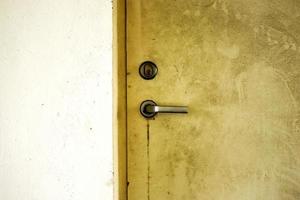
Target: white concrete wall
x=55, y=100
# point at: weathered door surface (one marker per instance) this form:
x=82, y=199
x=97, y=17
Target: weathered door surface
x=236, y=65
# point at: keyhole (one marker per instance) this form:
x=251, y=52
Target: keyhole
x=148, y=70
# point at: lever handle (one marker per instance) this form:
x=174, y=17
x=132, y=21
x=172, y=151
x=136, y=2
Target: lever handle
x=149, y=109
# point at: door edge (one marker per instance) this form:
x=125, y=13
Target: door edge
x=119, y=100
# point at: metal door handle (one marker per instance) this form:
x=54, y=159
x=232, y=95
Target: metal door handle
x=149, y=109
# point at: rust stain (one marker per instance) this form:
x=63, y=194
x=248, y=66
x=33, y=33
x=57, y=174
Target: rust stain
x=148, y=160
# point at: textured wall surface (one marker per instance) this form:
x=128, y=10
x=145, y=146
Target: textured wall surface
x=55, y=100
x=236, y=64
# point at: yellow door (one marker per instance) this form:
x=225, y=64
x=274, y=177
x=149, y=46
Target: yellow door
x=236, y=65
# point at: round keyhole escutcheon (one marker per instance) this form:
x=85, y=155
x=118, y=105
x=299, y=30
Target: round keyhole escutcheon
x=148, y=70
